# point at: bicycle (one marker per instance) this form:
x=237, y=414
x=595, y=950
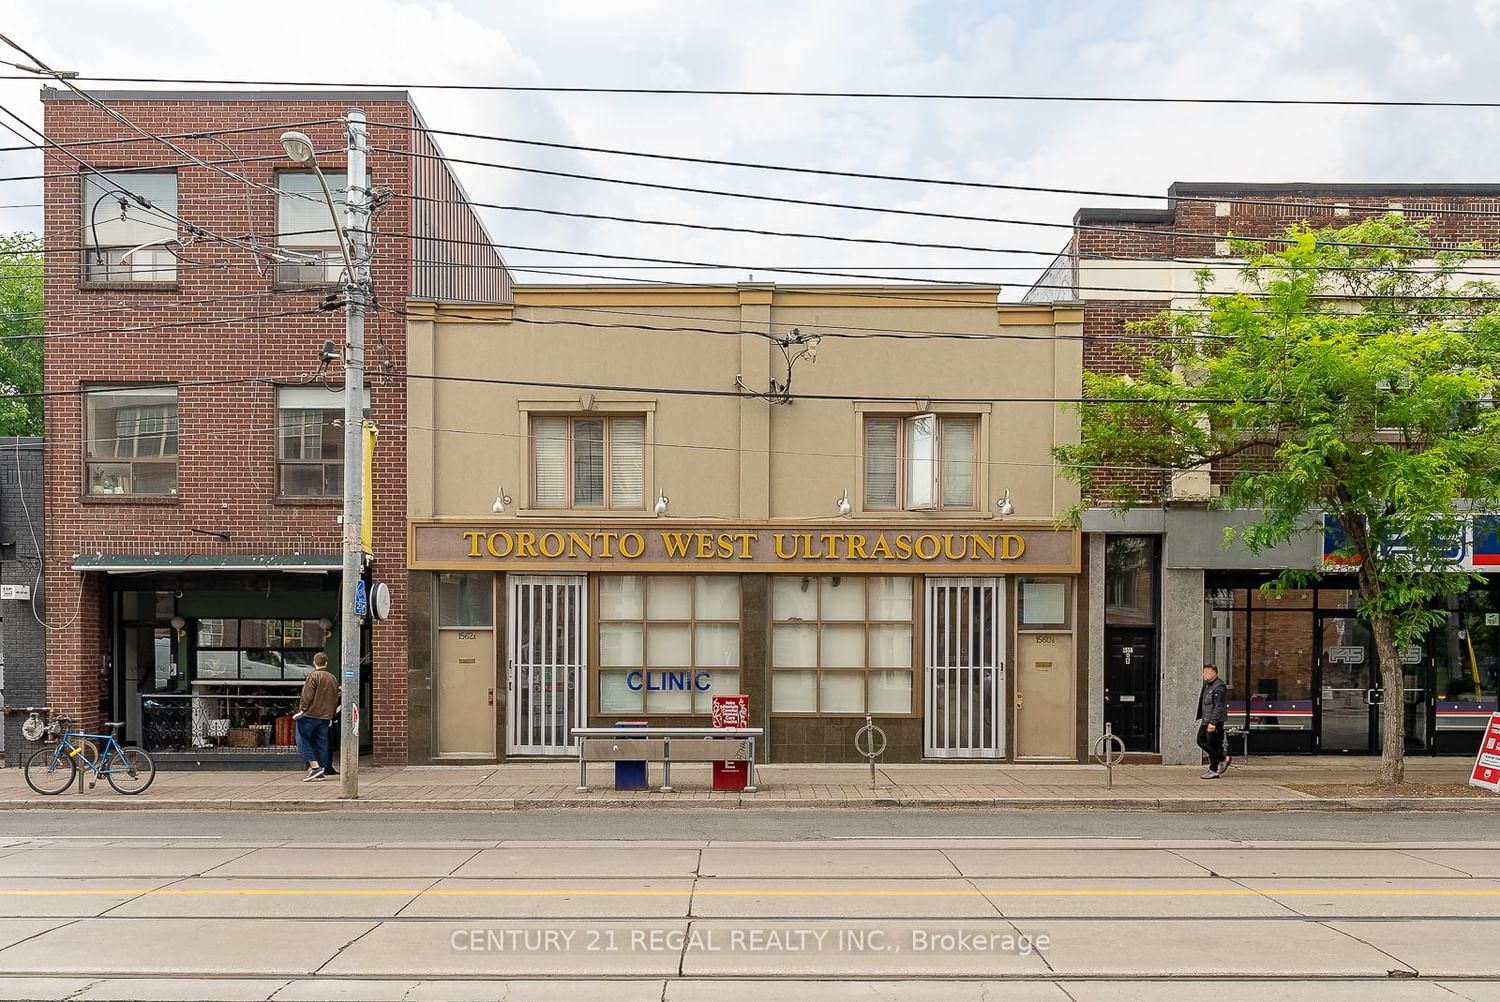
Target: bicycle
x=50, y=771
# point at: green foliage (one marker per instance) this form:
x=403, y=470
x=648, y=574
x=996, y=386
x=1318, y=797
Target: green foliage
x=20, y=321
x=1354, y=375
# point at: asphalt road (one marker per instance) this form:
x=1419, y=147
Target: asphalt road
x=747, y=905
x=761, y=824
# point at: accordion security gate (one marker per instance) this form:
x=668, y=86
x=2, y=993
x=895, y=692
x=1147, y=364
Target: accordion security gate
x=548, y=655
x=964, y=664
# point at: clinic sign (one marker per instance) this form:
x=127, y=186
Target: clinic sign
x=974, y=549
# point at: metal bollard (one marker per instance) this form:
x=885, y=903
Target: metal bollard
x=865, y=744
x=1109, y=751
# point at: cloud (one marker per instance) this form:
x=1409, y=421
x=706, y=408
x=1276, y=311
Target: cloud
x=1333, y=48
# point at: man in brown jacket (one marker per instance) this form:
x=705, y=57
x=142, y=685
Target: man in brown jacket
x=315, y=711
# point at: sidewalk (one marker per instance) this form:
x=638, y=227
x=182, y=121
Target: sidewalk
x=1262, y=783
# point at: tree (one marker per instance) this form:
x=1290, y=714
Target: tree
x=20, y=326
x=1354, y=376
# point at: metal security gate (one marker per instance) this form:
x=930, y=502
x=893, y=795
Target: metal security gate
x=548, y=652
x=964, y=664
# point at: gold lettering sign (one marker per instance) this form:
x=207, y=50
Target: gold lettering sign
x=1036, y=549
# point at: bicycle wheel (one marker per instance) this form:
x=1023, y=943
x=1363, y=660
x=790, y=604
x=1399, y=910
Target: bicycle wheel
x=130, y=771
x=50, y=771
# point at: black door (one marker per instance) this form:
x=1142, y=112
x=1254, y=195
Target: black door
x=1130, y=686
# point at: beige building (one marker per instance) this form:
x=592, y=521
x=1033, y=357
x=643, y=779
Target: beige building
x=626, y=500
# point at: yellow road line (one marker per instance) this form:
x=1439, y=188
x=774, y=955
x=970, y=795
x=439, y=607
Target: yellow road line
x=757, y=892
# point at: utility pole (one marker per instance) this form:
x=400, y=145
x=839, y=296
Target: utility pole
x=356, y=290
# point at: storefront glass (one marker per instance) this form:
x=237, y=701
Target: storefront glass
x=841, y=644
x=667, y=643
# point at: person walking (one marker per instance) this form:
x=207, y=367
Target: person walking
x=315, y=713
x=1213, y=712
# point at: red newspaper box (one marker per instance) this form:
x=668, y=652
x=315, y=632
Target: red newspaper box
x=1486, y=771
x=731, y=711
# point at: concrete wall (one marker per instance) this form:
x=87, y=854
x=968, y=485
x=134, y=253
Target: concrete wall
x=22, y=638
x=1182, y=664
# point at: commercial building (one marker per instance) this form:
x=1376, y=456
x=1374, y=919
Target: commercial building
x=1168, y=597
x=194, y=443
x=839, y=501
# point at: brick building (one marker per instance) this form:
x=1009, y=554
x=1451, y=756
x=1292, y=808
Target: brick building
x=194, y=447
x=1301, y=669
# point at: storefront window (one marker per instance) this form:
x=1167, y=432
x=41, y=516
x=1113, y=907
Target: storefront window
x=841, y=644
x=259, y=650
x=667, y=643
x=1465, y=651
x=1042, y=604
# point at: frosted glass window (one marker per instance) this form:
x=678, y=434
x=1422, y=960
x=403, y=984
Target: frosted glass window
x=669, y=646
x=716, y=645
x=717, y=597
x=794, y=692
x=675, y=626
x=842, y=692
x=843, y=646
x=620, y=645
x=843, y=598
x=669, y=597
x=890, y=692
x=890, y=646
x=670, y=701
x=723, y=683
x=615, y=694
x=1043, y=604
x=621, y=597
x=794, y=598
x=891, y=599
x=794, y=646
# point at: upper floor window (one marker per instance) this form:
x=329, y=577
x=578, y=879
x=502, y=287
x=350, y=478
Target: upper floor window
x=128, y=221
x=588, y=462
x=926, y=462
x=305, y=228
x=131, y=440
x=309, y=442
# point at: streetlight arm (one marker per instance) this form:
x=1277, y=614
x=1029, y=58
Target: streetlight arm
x=338, y=229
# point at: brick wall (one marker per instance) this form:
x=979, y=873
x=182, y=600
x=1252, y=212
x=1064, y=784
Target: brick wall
x=227, y=446
x=1108, y=349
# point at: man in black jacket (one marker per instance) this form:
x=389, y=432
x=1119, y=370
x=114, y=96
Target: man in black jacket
x=1213, y=711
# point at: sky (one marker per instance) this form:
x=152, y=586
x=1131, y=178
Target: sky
x=1382, y=49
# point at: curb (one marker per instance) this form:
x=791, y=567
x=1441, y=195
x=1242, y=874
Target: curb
x=1170, y=804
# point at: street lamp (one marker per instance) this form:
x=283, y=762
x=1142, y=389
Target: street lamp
x=353, y=238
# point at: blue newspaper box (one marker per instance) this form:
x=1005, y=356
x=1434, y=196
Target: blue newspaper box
x=631, y=775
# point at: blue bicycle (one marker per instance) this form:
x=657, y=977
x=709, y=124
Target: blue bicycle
x=51, y=771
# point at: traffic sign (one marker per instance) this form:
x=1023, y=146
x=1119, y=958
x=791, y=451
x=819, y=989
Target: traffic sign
x=1486, y=771
x=361, y=598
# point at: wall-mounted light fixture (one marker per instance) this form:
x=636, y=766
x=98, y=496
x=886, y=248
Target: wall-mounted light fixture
x=180, y=625
x=845, y=509
x=1004, y=505
x=502, y=501
x=663, y=503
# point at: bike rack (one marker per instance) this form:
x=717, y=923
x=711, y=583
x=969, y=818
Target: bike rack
x=865, y=744
x=1109, y=751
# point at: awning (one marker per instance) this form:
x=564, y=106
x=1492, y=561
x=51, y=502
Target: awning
x=139, y=563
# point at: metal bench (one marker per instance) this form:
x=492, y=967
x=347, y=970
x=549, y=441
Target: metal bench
x=1243, y=733
x=666, y=745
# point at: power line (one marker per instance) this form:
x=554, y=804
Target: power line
x=848, y=95
x=906, y=179
x=196, y=134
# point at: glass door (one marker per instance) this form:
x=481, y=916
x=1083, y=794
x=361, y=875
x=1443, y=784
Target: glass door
x=1348, y=697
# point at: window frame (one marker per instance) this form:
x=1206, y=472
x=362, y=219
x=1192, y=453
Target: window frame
x=240, y=648
x=915, y=670
x=598, y=669
x=644, y=411
x=336, y=397
x=332, y=253
x=116, y=276
x=87, y=462
x=979, y=415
